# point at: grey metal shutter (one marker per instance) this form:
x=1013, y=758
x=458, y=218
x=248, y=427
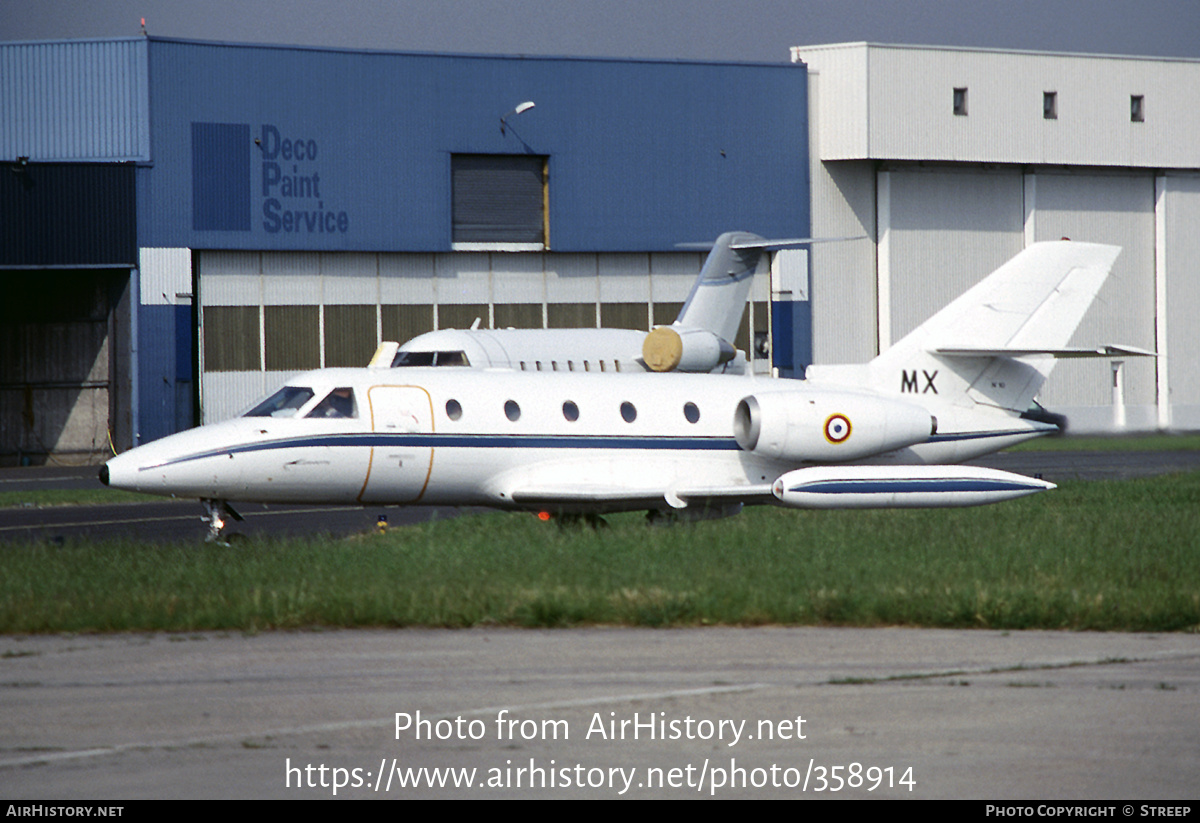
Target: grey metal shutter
x=497, y=198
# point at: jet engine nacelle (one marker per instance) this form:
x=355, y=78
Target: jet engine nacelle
x=674, y=348
x=827, y=427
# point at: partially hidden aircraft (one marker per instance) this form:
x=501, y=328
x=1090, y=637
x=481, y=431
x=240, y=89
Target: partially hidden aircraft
x=882, y=434
x=698, y=341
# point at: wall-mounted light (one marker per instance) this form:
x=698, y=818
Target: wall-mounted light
x=520, y=109
x=20, y=167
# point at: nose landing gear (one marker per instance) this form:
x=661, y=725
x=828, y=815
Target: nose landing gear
x=218, y=514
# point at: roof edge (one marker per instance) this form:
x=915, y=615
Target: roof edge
x=795, y=51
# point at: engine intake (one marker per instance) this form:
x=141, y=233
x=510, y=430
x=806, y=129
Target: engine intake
x=827, y=427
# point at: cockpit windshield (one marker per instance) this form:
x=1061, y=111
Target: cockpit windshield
x=338, y=403
x=283, y=403
x=430, y=358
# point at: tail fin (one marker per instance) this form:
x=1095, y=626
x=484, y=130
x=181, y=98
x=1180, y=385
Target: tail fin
x=997, y=343
x=718, y=297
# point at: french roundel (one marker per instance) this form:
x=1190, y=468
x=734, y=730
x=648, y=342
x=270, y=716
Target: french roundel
x=837, y=428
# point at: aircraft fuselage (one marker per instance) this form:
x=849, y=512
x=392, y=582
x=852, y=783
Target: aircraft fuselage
x=578, y=442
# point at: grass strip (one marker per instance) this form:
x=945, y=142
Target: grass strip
x=74, y=497
x=1112, y=443
x=1113, y=555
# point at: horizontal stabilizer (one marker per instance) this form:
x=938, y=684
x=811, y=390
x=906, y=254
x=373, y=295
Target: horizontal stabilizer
x=718, y=297
x=796, y=243
x=1101, y=351
x=770, y=245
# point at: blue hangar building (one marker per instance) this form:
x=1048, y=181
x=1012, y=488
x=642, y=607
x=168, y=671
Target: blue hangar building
x=184, y=224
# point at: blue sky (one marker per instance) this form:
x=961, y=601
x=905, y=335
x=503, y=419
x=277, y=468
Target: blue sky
x=751, y=30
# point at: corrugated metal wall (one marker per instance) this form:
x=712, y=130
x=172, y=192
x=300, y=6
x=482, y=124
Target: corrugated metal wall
x=946, y=227
x=1117, y=209
x=947, y=199
x=75, y=101
x=1182, y=293
x=166, y=325
x=894, y=102
x=68, y=215
x=949, y=229
x=267, y=315
x=641, y=155
x=843, y=296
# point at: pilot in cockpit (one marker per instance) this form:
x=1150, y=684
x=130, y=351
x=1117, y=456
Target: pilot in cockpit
x=339, y=403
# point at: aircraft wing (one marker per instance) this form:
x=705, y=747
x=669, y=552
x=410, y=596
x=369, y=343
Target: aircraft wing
x=609, y=498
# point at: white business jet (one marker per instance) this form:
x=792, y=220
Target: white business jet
x=881, y=434
x=698, y=341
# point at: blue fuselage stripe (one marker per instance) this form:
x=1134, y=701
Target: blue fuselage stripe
x=472, y=441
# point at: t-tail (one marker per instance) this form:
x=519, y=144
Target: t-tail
x=979, y=363
x=701, y=337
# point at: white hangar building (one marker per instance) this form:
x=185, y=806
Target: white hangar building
x=952, y=160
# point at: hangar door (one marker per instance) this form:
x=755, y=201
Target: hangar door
x=58, y=375
x=1115, y=208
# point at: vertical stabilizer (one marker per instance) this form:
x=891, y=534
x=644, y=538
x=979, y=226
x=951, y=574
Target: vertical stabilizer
x=997, y=343
x=718, y=297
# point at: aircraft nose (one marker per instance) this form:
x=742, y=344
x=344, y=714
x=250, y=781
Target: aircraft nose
x=104, y=474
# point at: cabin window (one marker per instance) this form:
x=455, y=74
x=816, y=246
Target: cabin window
x=587, y=366
x=570, y=365
x=538, y=363
x=570, y=411
x=553, y=365
x=628, y=412
x=1137, y=108
x=1050, y=105
x=523, y=366
x=338, y=403
x=453, y=409
x=960, y=101
x=691, y=412
x=512, y=411
x=283, y=403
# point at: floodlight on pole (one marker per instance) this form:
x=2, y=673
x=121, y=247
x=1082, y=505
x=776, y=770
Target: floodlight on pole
x=520, y=109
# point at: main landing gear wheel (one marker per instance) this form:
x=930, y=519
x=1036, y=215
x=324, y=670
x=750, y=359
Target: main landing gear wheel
x=572, y=520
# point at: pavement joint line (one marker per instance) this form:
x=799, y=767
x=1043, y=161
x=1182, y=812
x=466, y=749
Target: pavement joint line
x=54, y=757
x=197, y=516
x=1016, y=667
x=101, y=751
